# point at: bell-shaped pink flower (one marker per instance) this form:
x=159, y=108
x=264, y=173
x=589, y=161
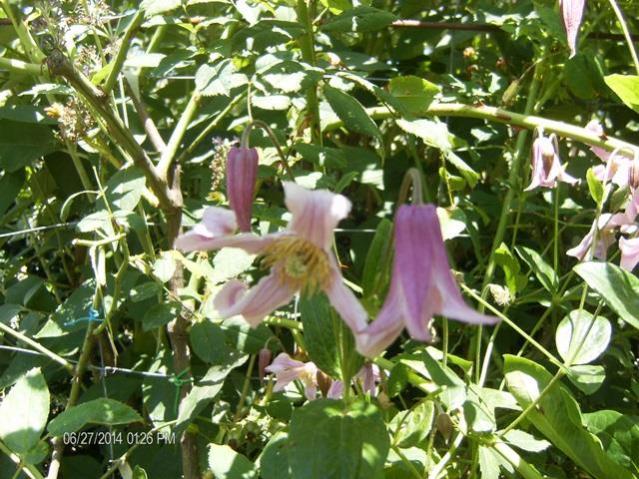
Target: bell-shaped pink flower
x=287, y=370
x=617, y=165
x=606, y=227
x=422, y=284
x=629, y=252
x=572, y=12
x=546, y=165
x=298, y=259
x=241, y=174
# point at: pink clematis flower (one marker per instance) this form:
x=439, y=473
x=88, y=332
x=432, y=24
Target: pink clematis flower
x=617, y=166
x=287, y=370
x=605, y=238
x=422, y=284
x=572, y=12
x=546, y=165
x=629, y=252
x=241, y=174
x=299, y=258
x=368, y=375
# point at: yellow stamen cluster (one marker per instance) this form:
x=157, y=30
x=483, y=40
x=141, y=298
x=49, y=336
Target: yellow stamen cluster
x=299, y=263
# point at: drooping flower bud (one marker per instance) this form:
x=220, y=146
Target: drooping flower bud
x=241, y=174
x=546, y=165
x=263, y=360
x=572, y=12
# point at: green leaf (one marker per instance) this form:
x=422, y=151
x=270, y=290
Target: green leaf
x=360, y=19
x=526, y=441
x=414, y=93
x=617, y=287
x=10, y=186
x=228, y=464
x=351, y=112
x=21, y=143
x=230, y=263
x=337, y=6
x=595, y=186
x=273, y=462
x=412, y=427
x=124, y=189
x=220, y=79
x=99, y=411
x=626, y=87
x=377, y=263
x=160, y=315
x=330, y=344
x=156, y=7
x=543, y=271
x=584, y=76
x=24, y=412
x=139, y=473
x=587, y=378
x=581, y=338
x=619, y=435
x=512, y=270
x=558, y=418
x=206, y=390
x=331, y=440
x=209, y=342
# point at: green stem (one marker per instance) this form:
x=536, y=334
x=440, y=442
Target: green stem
x=305, y=13
x=523, y=468
x=37, y=346
x=188, y=151
x=19, y=66
x=168, y=155
x=29, y=469
x=118, y=62
x=514, y=185
x=498, y=115
x=626, y=33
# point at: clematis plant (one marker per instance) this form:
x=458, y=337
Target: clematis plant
x=287, y=370
x=572, y=12
x=298, y=259
x=422, y=284
x=241, y=174
x=546, y=165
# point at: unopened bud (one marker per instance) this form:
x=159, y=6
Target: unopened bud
x=263, y=360
x=241, y=174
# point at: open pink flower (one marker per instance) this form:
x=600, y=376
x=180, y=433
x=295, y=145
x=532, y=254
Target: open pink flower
x=287, y=370
x=617, y=166
x=299, y=258
x=422, y=284
x=546, y=165
x=241, y=174
x=572, y=12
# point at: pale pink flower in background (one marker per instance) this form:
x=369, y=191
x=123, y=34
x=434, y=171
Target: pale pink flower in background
x=616, y=167
x=572, y=12
x=287, y=370
x=422, y=284
x=605, y=238
x=241, y=175
x=546, y=165
x=299, y=258
x=629, y=252
x=368, y=376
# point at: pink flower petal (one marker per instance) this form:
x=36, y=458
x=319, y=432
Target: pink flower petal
x=385, y=329
x=216, y=232
x=345, y=302
x=315, y=213
x=629, y=252
x=336, y=391
x=255, y=303
x=595, y=127
x=572, y=13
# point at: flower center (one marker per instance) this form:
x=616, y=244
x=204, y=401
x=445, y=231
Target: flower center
x=298, y=262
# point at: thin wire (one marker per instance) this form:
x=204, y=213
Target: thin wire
x=36, y=229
